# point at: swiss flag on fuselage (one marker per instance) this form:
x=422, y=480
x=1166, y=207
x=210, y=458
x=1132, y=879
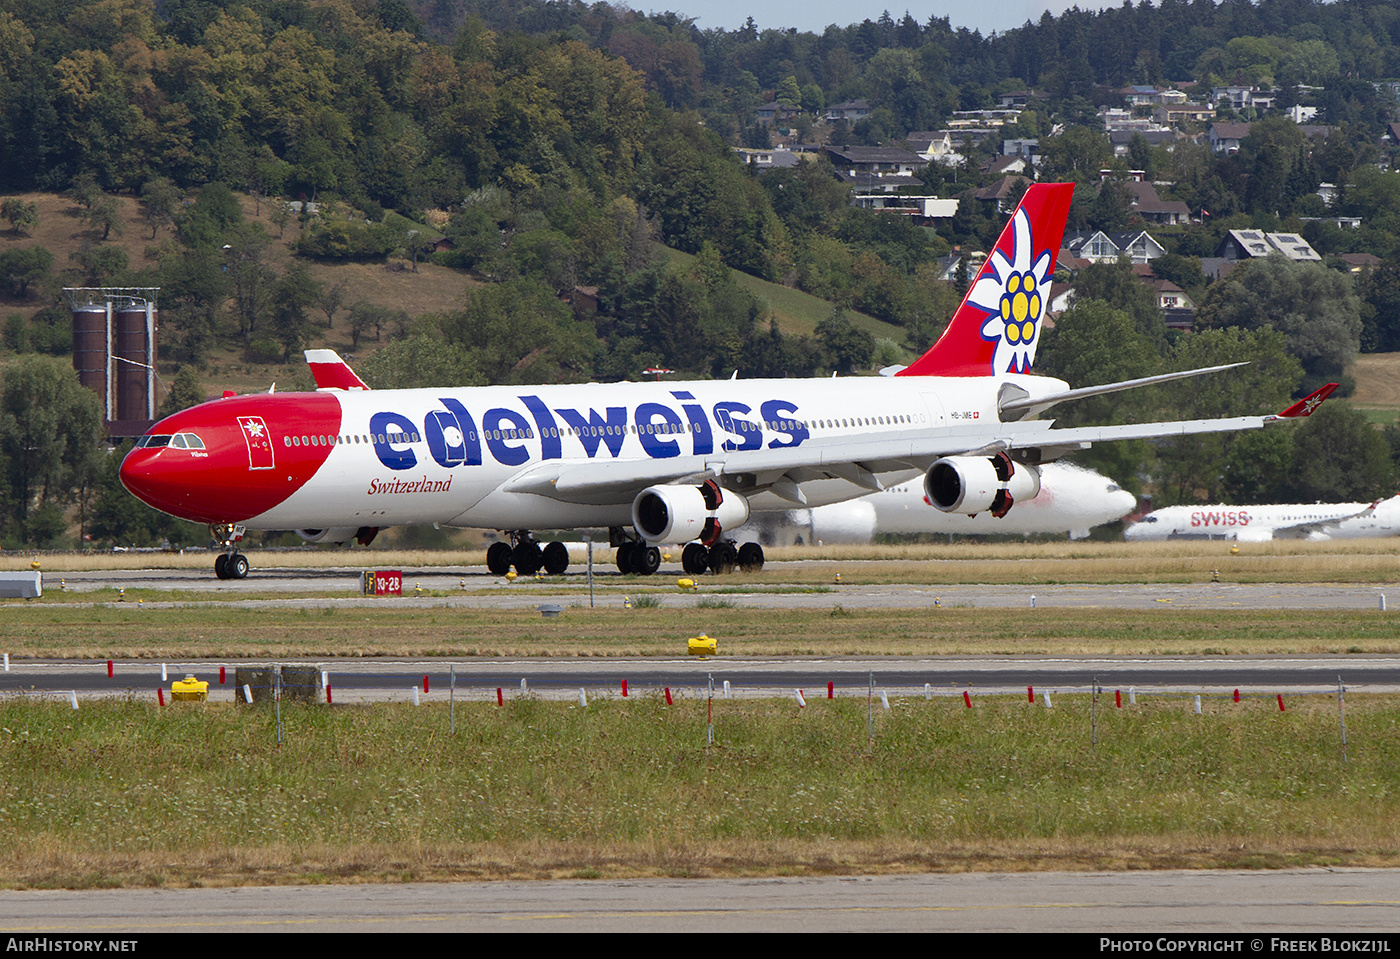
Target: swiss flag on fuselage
x=255, y=434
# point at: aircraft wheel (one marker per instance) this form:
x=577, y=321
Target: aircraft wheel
x=751, y=557
x=694, y=558
x=723, y=557
x=221, y=566
x=498, y=559
x=237, y=566
x=624, y=557
x=527, y=558
x=646, y=559
x=556, y=558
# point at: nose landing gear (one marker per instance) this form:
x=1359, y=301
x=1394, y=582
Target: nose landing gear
x=230, y=564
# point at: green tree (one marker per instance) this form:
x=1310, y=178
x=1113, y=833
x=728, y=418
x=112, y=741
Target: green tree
x=50, y=437
x=294, y=294
x=519, y=332
x=160, y=200
x=1338, y=456
x=1315, y=308
x=185, y=391
x=1193, y=468
x=848, y=347
x=23, y=217
x=22, y=268
x=420, y=361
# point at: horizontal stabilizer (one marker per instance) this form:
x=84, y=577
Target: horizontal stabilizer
x=331, y=372
x=1036, y=404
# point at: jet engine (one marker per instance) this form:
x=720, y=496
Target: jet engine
x=971, y=484
x=339, y=535
x=679, y=514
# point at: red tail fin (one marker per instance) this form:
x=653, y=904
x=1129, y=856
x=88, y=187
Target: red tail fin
x=997, y=327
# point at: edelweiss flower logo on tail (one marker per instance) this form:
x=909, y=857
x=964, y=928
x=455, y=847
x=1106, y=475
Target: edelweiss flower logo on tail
x=1015, y=292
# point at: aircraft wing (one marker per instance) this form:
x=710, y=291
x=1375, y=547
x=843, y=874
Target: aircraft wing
x=781, y=471
x=1320, y=526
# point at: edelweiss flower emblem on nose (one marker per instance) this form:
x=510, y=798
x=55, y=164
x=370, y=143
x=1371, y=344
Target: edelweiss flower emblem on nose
x=1014, y=292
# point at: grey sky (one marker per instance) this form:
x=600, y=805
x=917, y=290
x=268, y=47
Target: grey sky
x=814, y=15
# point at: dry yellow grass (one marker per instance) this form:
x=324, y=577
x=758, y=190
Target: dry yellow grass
x=1357, y=561
x=1377, y=385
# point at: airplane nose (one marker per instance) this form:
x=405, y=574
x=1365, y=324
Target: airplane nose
x=140, y=479
x=1122, y=502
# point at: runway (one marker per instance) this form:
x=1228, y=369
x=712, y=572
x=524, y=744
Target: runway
x=474, y=587
x=1167, y=909
x=438, y=680
x=1357, y=902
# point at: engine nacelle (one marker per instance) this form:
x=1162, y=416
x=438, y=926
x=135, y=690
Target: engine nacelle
x=679, y=514
x=340, y=535
x=972, y=484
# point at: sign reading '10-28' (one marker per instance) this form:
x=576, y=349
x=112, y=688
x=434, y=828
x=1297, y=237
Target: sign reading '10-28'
x=453, y=438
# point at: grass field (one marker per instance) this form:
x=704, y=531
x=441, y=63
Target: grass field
x=124, y=794
x=125, y=631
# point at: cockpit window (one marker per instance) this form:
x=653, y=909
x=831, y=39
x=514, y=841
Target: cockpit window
x=178, y=441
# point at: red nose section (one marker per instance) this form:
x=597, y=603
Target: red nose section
x=230, y=460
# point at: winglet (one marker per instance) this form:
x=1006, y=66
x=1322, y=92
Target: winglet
x=1312, y=401
x=331, y=372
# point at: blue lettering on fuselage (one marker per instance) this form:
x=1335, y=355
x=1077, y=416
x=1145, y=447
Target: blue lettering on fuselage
x=611, y=429
x=453, y=440
x=501, y=426
x=655, y=436
x=395, y=454
x=777, y=413
x=750, y=434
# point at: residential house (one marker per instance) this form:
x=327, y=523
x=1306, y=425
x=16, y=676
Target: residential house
x=1153, y=209
x=1244, y=98
x=948, y=266
x=1006, y=166
x=1226, y=137
x=932, y=145
x=1356, y=262
x=776, y=159
x=779, y=114
x=1249, y=244
x=916, y=207
x=1096, y=246
x=1003, y=192
x=1177, y=114
x=881, y=161
x=1156, y=138
x=848, y=110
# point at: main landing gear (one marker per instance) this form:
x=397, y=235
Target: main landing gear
x=723, y=557
x=527, y=556
x=634, y=556
x=230, y=564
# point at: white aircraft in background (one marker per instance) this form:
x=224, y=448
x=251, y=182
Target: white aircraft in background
x=1071, y=500
x=651, y=463
x=1260, y=524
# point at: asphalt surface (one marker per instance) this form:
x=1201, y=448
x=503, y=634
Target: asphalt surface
x=1168, y=910
x=1353, y=906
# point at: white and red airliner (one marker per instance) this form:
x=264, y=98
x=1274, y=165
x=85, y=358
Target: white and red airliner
x=1261, y=524
x=1071, y=500
x=652, y=462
